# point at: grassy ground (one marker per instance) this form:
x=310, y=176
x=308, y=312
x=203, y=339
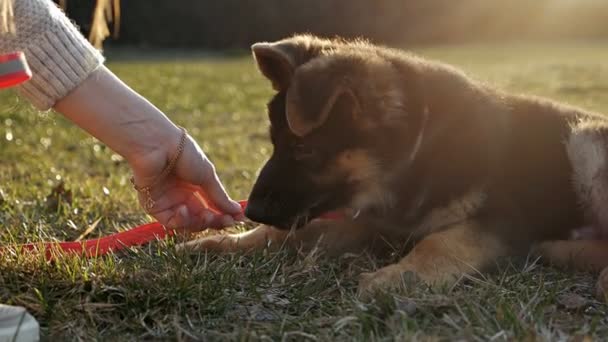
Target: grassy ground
x=155, y=293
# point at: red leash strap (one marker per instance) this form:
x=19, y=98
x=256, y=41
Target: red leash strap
x=92, y=248
x=97, y=247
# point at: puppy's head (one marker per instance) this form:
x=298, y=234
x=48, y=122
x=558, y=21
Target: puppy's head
x=341, y=123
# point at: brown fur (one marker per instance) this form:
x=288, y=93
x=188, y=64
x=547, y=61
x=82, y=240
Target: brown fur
x=420, y=152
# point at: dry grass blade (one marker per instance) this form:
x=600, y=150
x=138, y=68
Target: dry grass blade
x=88, y=231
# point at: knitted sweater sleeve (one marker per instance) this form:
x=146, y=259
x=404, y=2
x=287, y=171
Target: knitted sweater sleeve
x=59, y=56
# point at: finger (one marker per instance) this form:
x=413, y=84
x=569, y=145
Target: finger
x=175, y=218
x=215, y=221
x=208, y=220
x=190, y=214
x=179, y=193
x=215, y=193
x=240, y=217
x=169, y=199
x=197, y=224
x=221, y=221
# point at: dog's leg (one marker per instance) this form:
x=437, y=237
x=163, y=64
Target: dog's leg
x=591, y=255
x=334, y=237
x=257, y=238
x=440, y=258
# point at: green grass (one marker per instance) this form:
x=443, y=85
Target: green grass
x=156, y=293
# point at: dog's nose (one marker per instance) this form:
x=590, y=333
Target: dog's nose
x=257, y=211
x=254, y=211
x=265, y=212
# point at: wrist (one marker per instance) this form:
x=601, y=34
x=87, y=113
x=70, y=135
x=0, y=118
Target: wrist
x=166, y=170
x=153, y=145
x=151, y=136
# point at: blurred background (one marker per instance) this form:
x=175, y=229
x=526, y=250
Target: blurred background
x=236, y=24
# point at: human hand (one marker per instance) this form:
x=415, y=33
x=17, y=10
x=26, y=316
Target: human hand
x=130, y=125
x=182, y=198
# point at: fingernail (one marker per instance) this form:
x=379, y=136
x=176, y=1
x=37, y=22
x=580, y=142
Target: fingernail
x=236, y=207
x=185, y=217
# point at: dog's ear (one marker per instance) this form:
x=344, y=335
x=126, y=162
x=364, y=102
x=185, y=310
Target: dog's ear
x=278, y=60
x=314, y=93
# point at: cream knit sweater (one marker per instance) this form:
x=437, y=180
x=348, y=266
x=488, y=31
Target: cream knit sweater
x=59, y=56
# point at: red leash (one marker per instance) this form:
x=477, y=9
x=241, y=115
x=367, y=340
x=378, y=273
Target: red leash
x=97, y=247
x=92, y=248
x=137, y=236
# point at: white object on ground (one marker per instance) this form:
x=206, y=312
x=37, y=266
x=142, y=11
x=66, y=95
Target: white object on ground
x=17, y=325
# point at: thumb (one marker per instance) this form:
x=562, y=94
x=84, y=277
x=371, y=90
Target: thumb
x=216, y=194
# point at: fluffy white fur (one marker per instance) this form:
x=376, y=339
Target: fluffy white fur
x=587, y=149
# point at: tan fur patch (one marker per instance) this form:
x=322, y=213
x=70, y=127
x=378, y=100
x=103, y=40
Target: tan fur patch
x=358, y=165
x=580, y=254
x=364, y=171
x=459, y=249
x=353, y=165
x=359, y=168
x=459, y=210
x=440, y=258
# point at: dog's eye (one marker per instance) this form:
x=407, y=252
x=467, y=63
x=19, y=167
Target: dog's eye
x=302, y=152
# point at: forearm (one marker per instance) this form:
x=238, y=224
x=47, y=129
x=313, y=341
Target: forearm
x=115, y=114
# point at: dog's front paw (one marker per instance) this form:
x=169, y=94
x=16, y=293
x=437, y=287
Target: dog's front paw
x=602, y=285
x=388, y=278
x=397, y=276
x=215, y=244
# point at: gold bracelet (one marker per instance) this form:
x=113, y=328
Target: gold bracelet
x=147, y=190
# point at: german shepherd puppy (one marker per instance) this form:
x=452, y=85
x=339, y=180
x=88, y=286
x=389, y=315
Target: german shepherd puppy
x=414, y=150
